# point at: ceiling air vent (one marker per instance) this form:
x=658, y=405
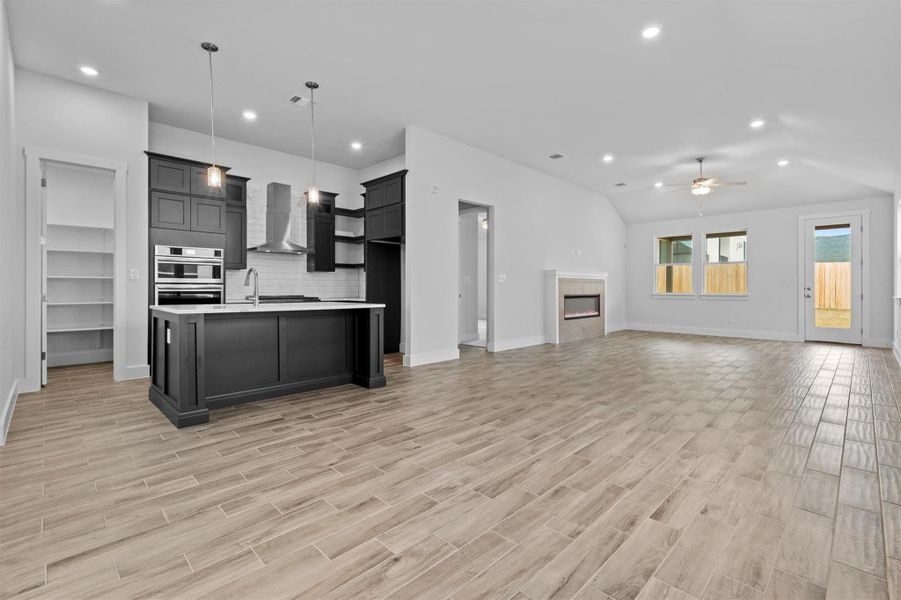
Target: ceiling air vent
x=555, y=156
x=621, y=184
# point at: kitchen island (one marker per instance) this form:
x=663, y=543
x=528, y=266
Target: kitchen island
x=210, y=355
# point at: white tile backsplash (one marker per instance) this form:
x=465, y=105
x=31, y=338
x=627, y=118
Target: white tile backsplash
x=287, y=273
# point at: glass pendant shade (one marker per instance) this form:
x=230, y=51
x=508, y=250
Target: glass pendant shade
x=214, y=177
x=313, y=194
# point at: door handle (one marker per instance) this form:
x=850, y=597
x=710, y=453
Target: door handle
x=808, y=296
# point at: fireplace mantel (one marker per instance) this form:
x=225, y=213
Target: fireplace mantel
x=558, y=284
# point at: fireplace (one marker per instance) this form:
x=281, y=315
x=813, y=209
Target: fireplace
x=581, y=306
x=574, y=306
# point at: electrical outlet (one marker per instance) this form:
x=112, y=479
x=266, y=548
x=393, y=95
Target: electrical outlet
x=433, y=188
x=134, y=274
x=502, y=277
x=730, y=320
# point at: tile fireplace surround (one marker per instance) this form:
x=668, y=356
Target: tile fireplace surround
x=563, y=324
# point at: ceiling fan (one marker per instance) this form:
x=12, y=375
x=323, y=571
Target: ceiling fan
x=701, y=186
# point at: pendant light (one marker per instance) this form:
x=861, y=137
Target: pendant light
x=313, y=191
x=213, y=173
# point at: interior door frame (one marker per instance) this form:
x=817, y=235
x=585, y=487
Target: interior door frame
x=35, y=158
x=864, y=214
x=489, y=309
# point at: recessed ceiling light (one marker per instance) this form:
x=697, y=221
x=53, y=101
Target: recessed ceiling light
x=90, y=71
x=555, y=156
x=651, y=31
x=757, y=123
x=356, y=145
x=249, y=115
x=658, y=184
x=782, y=163
x=608, y=158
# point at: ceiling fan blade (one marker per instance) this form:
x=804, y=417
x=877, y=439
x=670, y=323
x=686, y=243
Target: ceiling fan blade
x=681, y=189
x=723, y=183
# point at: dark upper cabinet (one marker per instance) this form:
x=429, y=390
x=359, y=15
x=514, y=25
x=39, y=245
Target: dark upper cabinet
x=170, y=211
x=236, y=190
x=321, y=233
x=385, y=201
x=235, y=237
x=375, y=196
x=207, y=215
x=394, y=220
x=170, y=176
x=200, y=188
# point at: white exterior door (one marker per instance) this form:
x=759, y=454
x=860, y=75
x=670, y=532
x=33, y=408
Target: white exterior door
x=832, y=279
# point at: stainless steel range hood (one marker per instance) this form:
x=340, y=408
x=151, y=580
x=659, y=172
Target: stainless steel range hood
x=278, y=222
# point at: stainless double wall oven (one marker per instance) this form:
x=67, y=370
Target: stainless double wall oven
x=183, y=275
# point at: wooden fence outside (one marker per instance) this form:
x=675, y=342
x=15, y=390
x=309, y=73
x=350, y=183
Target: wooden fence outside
x=681, y=278
x=833, y=285
x=726, y=278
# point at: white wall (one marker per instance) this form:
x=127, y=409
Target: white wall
x=12, y=240
x=279, y=273
x=771, y=310
x=538, y=222
x=64, y=116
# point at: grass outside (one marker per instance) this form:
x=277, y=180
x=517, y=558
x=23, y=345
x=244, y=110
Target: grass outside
x=829, y=317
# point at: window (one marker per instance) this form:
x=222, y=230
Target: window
x=673, y=270
x=726, y=269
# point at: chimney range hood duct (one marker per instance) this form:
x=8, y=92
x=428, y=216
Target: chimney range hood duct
x=278, y=222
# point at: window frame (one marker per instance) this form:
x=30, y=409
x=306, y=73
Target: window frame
x=656, y=258
x=747, y=262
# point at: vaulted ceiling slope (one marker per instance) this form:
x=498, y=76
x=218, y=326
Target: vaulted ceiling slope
x=522, y=80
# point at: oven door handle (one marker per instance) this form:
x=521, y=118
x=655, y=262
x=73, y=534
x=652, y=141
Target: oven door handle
x=189, y=260
x=194, y=287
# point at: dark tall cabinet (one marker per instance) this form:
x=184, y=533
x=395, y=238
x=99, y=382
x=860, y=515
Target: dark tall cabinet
x=181, y=200
x=385, y=203
x=321, y=233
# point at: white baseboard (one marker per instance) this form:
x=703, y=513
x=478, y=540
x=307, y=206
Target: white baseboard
x=501, y=345
x=897, y=352
x=736, y=333
x=6, y=415
x=135, y=372
x=877, y=342
x=426, y=358
x=616, y=327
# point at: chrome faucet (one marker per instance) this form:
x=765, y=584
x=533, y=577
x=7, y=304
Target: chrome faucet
x=256, y=286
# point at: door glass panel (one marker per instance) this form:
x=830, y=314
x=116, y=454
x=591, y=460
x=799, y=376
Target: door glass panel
x=832, y=279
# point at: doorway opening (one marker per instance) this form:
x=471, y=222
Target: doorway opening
x=77, y=298
x=473, y=291
x=833, y=262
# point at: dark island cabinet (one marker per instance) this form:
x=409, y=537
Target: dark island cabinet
x=385, y=202
x=235, y=237
x=321, y=233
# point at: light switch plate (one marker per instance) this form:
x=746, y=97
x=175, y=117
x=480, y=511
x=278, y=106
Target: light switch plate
x=134, y=274
x=502, y=277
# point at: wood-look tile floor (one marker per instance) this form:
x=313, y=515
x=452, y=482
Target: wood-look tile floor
x=640, y=466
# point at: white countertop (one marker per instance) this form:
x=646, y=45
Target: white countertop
x=214, y=309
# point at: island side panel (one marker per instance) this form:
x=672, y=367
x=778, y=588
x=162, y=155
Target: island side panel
x=177, y=386
x=369, y=363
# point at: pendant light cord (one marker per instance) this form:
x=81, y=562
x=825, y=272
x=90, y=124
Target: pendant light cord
x=313, y=132
x=212, y=121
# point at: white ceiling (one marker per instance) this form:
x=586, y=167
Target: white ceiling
x=522, y=80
